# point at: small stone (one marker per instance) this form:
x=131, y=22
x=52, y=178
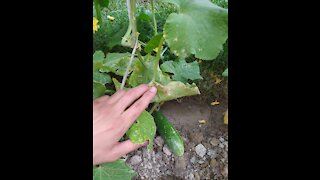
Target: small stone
x=135, y=160
x=200, y=161
x=214, y=142
x=213, y=163
x=221, y=139
x=159, y=141
x=180, y=163
x=190, y=176
x=196, y=176
x=193, y=160
x=201, y=150
x=196, y=137
x=224, y=171
x=149, y=166
x=221, y=146
x=212, y=153
x=166, y=150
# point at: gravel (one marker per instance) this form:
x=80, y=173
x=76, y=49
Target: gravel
x=201, y=150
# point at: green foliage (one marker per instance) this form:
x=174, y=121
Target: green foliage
x=188, y=31
x=200, y=28
x=182, y=70
x=143, y=129
x=114, y=170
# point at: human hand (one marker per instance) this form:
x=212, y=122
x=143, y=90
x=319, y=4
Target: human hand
x=112, y=117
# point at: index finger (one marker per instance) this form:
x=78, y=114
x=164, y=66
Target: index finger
x=134, y=111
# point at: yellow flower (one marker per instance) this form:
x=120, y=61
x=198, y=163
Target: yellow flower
x=95, y=24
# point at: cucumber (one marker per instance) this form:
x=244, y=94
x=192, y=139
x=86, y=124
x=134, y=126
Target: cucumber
x=169, y=134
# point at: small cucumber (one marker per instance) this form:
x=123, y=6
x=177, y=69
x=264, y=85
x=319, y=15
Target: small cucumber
x=169, y=134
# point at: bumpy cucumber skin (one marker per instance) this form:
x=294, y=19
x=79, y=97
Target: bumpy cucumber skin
x=169, y=134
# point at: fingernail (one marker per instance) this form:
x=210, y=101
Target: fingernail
x=153, y=89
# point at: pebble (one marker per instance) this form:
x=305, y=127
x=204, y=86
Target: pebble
x=221, y=146
x=221, y=139
x=224, y=172
x=135, y=160
x=214, y=142
x=159, y=141
x=196, y=137
x=193, y=160
x=180, y=163
x=166, y=150
x=201, y=150
x=213, y=163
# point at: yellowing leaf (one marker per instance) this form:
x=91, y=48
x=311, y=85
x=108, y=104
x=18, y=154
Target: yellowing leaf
x=202, y=121
x=218, y=80
x=110, y=17
x=215, y=103
x=95, y=24
x=226, y=117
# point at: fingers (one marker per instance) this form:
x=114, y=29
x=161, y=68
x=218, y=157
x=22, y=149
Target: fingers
x=126, y=147
x=131, y=95
x=132, y=113
x=116, y=96
x=101, y=99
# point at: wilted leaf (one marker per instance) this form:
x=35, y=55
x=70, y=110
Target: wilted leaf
x=113, y=170
x=143, y=73
x=200, y=28
x=215, y=103
x=182, y=70
x=226, y=117
x=173, y=90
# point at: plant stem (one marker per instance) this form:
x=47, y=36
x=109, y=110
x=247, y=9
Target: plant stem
x=155, y=105
x=98, y=11
x=129, y=65
x=131, y=6
x=154, y=18
x=156, y=65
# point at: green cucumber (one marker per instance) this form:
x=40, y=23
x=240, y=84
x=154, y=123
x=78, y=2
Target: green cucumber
x=169, y=134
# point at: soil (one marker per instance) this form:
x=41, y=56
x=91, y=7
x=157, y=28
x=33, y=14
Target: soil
x=206, y=144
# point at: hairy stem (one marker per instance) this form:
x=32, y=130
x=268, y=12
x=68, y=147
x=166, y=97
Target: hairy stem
x=154, y=18
x=156, y=65
x=124, y=79
x=155, y=105
x=131, y=6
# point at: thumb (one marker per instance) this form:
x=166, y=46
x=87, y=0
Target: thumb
x=126, y=147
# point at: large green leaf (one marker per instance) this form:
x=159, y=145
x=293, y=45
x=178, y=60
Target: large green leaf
x=98, y=58
x=143, y=73
x=182, y=70
x=200, y=28
x=102, y=78
x=113, y=170
x=116, y=38
x=103, y=3
x=143, y=129
x=117, y=63
x=98, y=90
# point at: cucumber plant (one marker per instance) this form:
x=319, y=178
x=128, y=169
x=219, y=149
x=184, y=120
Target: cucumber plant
x=199, y=28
